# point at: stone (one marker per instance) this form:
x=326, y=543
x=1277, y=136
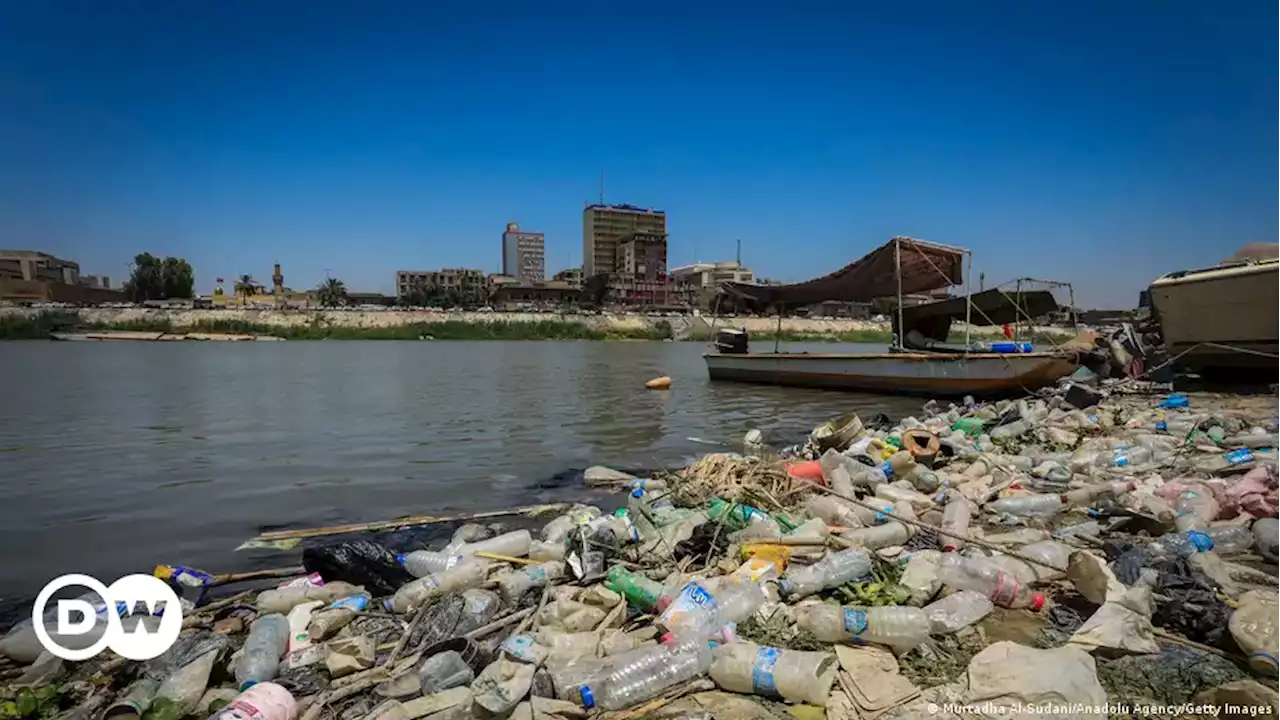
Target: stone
x=601, y=475
x=719, y=705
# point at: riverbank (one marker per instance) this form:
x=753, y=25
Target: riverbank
x=31, y=324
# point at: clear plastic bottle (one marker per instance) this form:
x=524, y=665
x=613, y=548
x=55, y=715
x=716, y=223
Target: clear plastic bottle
x=901, y=628
x=696, y=612
x=512, y=544
x=421, y=563
x=267, y=641
x=957, y=611
x=641, y=514
x=1086, y=495
x=1195, y=507
x=837, y=568
x=467, y=574
x=1029, y=505
x=868, y=516
x=896, y=494
x=1230, y=539
x=1266, y=533
x=879, y=536
x=262, y=701
x=643, y=674
x=1254, y=627
x=955, y=520
x=1052, y=553
x=832, y=510
x=1010, y=430
x=793, y=675
x=1125, y=457
x=512, y=585
x=1188, y=542
x=983, y=576
x=282, y=600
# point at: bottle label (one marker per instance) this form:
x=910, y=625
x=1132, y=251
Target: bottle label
x=886, y=469
x=762, y=682
x=240, y=710
x=355, y=602
x=1162, y=425
x=538, y=574
x=693, y=600
x=855, y=622
x=1122, y=460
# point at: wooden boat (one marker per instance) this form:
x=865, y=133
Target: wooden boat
x=924, y=364
x=1221, y=317
x=949, y=375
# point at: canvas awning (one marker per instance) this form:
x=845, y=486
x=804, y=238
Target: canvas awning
x=933, y=320
x=925, y=266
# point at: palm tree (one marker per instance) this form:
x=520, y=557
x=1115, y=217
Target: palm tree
x=245, y=285
x=332, y=292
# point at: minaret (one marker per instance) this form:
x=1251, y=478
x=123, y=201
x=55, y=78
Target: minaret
x=277, y=280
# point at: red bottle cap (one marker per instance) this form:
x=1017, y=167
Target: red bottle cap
x=666, y=638
x=1037, y=601
x=950, y=547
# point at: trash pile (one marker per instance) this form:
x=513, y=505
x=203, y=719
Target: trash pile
x=1090, y=550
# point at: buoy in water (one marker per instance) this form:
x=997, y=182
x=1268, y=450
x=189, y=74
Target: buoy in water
x=659, y=383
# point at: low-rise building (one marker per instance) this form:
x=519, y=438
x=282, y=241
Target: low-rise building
x=30, y=276
x=710, y=275
x=572, y=276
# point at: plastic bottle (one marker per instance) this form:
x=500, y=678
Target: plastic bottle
x=832, y=510
x=793, y=675
x=512, y=585
x=262, y=701
x=957, y=611
x=326, y=623
x=1253, y=625
x=1124, y=457
x=282, y=600
x=969, y=426
x=901, y=628
x=1239, y=457
x=1188, y=542
x=837, y=568
x=267, y=641
x=1088, y=494
x=955, y=520
x=738, y=515
x=985, y=577
x=543, y=551
x=421, y=563
x=1010, y=430
x=894, y=493
x=1195, y=507
x=512, y=544
x=462, y=576
x=1266, y=532
x=868, y=517
x=1230, y=539
x=1050, y=552
x=879, y=536
x=443, y=671
x=643, y=674
x=696, y=612
x=639, y=590
x=641, y=514
x=1029, y=505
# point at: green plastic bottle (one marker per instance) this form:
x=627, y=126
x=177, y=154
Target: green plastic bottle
x=738, y=515
x=969, y=425
x=639, y=590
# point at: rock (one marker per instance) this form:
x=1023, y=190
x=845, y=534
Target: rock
x=1246, y=698
x=1007, y=674
x=404, y=686
x=601, y=475
x=1092, y=578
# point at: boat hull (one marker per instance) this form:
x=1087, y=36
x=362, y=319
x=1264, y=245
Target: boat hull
x=1232, y=307
x=897, y=373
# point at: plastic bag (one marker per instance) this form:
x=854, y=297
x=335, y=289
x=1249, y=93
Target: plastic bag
x=359, y=562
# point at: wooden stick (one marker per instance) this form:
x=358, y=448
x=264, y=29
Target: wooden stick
x=368, y=679
x=228, y=578
x=219, y=604
x=498, y=625
x=507, y=558
x=413, y=625
x=403, y=523
x=533, y=618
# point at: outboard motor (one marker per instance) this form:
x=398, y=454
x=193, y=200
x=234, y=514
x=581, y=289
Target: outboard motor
x=730, y=341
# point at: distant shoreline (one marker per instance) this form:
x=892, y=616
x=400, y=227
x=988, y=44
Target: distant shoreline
x=28, y=324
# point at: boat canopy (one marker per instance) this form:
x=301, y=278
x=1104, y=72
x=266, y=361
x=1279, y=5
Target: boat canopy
x=933, y=320
x=924, y=266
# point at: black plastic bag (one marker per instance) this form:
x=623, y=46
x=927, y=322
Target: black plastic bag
x=359, y=562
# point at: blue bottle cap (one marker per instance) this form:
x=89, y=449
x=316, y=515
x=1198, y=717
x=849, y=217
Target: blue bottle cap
x=400, y=558
x=588, y=698
x=1202, y=542
x=637, y=493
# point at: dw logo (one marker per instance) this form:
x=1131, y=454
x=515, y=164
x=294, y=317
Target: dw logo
x=121, y=598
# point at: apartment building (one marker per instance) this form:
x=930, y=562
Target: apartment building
x=605, y=227
x=468, y=282
x=524, y=255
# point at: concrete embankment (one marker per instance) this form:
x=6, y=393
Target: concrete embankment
x=264, y=321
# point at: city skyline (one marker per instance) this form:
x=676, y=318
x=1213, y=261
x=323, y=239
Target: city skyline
x=1101, y=144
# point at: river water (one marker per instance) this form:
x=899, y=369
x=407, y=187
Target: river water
x=118, y=456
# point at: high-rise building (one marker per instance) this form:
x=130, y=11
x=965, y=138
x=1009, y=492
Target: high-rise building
x=523, y=255
x=605, y=227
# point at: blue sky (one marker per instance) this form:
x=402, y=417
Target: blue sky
x=1098, y=142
